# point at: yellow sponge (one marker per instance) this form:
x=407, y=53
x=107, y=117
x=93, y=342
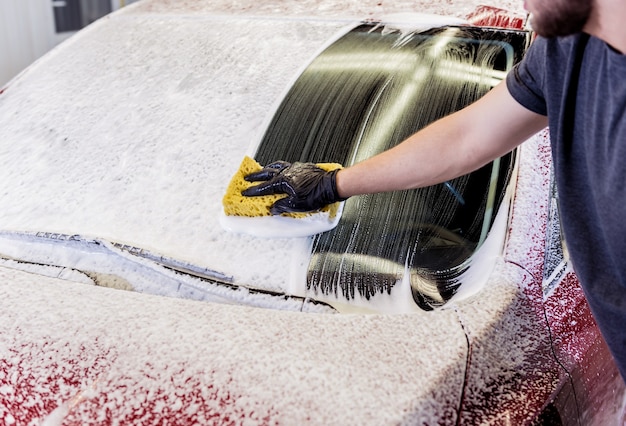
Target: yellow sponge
x=236, y=204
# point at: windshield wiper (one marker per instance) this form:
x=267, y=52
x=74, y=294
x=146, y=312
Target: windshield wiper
x=110, y=264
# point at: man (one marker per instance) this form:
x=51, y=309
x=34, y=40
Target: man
x=573, y=79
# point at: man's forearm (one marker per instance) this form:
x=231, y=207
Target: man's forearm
x=453, y=146
x=433, y=155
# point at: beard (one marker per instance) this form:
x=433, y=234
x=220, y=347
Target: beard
x=555, y=18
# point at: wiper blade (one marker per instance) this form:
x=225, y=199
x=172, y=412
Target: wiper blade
x=176, y=265
x=137, y=269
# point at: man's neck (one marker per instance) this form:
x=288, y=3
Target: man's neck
x=607, y=23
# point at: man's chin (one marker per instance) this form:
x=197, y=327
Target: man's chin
x=555, y=29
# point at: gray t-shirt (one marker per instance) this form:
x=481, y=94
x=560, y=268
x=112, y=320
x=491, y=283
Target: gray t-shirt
x=579, y=82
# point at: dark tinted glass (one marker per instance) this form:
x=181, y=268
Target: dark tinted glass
x=365, y=93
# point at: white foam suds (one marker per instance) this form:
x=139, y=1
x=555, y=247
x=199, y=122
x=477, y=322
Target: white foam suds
x=282, y=226
x=482, y=262
x=408, y=23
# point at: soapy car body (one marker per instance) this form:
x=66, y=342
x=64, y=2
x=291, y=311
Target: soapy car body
x=116, y=150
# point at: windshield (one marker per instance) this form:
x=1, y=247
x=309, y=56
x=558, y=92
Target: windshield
x=365, y=93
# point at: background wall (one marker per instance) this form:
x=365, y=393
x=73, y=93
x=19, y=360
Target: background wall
x=29, y=28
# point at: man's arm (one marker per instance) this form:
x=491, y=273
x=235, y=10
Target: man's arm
x=453, y=146
x=448, y=148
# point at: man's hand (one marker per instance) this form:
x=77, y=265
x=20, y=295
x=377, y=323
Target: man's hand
x=308, y=187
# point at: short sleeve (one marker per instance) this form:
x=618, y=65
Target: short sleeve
x=525, y=81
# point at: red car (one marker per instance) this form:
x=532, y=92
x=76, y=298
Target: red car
x=124, y=300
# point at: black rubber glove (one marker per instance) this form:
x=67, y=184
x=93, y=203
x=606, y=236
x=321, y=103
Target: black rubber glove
x=307, y=186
